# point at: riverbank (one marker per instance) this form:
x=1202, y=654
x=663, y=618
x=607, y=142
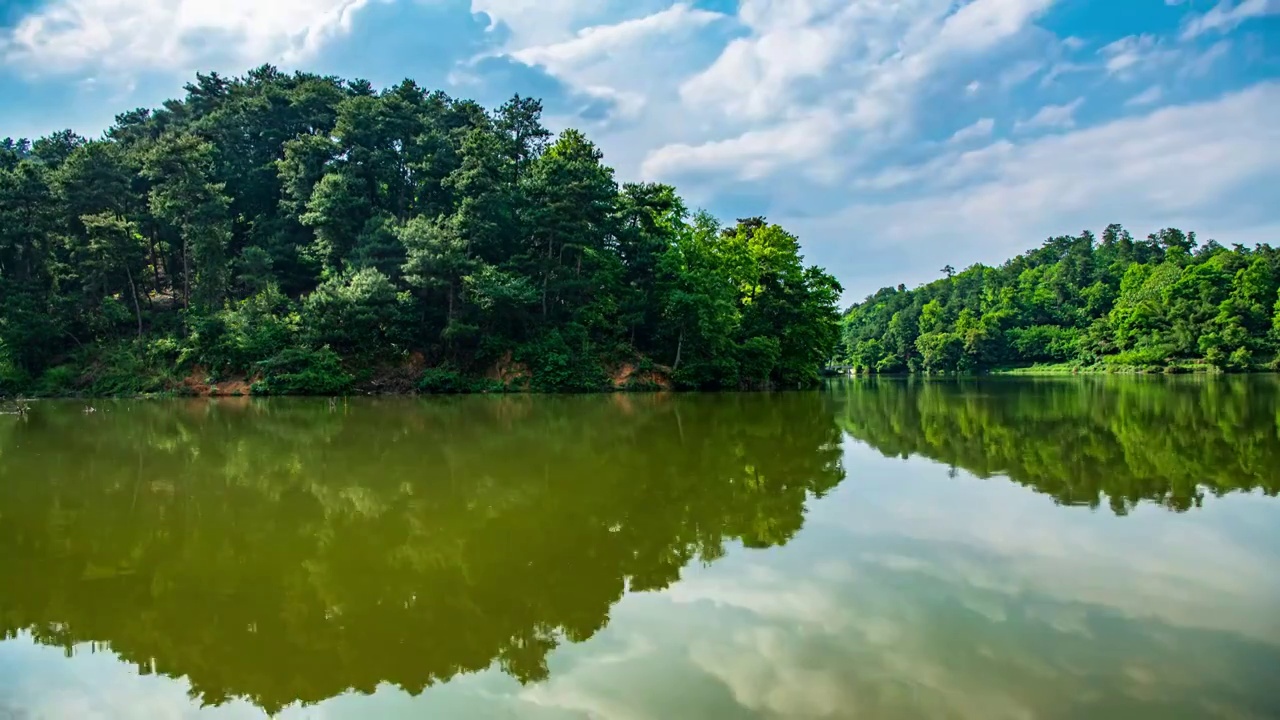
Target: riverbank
x=407, y=378
x=1176, y=368
x=1183, y=367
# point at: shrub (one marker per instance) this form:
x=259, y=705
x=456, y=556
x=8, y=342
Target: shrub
x=714, y=372
x=12, y=379
x=356, y=312
x=119, y=369
x=556, y=367
x=58, y=380
x=243, y=334
x=757, y=358
x=1046, y=343
x=447, y=380
x=1150, y=356
x=303, y=371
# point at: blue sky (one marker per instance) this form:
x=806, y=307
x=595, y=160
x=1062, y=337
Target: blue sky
x=893, y=136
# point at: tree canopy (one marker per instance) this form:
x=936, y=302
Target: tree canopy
x=315, y=234
x=1166, y=301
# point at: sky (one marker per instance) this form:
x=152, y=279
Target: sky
x=892, y=136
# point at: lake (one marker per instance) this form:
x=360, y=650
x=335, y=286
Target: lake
x=1097, y=547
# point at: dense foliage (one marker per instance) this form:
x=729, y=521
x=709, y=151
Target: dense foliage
x=1163, y=302
x=286, y=551
x=310, y=233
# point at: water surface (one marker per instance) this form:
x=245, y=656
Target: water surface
x=1064, y=548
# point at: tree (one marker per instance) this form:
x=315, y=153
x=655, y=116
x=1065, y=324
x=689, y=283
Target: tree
x=185, y=196
x=354, y=313
x=115, y=249
x=436, y=263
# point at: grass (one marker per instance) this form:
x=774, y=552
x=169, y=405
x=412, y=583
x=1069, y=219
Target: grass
x=1174, y=367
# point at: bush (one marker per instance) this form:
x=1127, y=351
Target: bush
x=356, y=312
x=12, y=379
x=446, y=380
x=757, y=358
x=1151, y=356
x=302, y=371
x=241, y=335
x=1046, y=343
x=1241, y=359
x=557, y=368
x=714, y=372
x=59, y=380
x=126, y=368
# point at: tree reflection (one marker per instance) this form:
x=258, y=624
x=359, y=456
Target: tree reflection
x=1084, y=441
x=286, y=551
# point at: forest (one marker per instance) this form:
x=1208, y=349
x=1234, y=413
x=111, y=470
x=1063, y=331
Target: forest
x=303, y=234
x=1166, y=303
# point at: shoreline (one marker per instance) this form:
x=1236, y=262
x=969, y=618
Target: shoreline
x=1197, y=369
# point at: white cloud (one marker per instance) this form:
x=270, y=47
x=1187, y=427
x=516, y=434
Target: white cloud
x=1150, y=96
x=125, y=36
x=1129, y=56
x=630, y=54
x=1200, y=166
x=879, y=50
x=1062, y=69
x=593, y=43
x=544, y=22
x=979, y=130
x=1226, y=15
x=1052, y=116
x=752, y=155
x=857, y=68
x=1203, y=62
x=753, y=76
x=1134, y=53
x=1018, y=73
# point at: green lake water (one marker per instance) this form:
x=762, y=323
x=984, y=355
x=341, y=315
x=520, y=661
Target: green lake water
x=1095, y=547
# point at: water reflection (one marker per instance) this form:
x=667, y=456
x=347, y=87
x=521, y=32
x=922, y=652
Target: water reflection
x=290, y=554
x=1085, y=441
x=288, y=551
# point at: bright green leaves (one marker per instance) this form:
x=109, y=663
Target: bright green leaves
x=1147, y=304
x=355, y=313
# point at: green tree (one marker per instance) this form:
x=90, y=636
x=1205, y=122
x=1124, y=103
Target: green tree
x=374, y=230
x=185, y=196
x=113, y=256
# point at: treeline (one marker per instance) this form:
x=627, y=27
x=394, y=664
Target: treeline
x=1164, y=302
x=312, y=233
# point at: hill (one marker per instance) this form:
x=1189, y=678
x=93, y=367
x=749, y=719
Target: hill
x=1166, y=302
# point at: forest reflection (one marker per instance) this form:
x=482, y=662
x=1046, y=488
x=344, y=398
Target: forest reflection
x=286, y=551
x=1096, y=440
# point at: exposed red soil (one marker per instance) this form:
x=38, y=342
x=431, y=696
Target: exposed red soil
x=510, y=373
x=197, y=383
